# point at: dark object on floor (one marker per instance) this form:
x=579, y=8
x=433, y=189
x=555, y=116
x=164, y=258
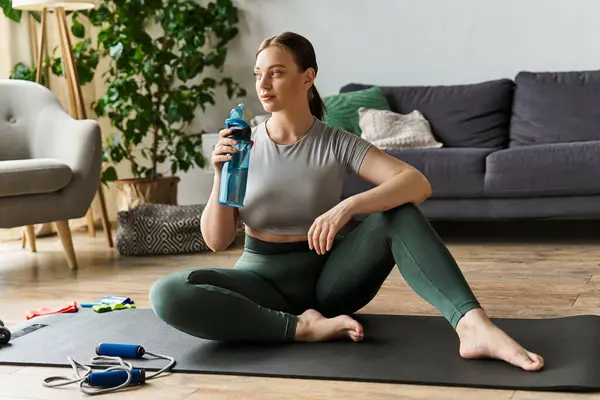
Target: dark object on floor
x=159, y=229
x=4, y=334
x=396, y=349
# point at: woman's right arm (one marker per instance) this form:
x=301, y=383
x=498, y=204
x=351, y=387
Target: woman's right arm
x=219, y=223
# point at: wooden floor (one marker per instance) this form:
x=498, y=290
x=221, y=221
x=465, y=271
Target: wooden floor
x=513, y=274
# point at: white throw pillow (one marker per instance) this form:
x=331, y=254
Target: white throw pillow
x=389, y=130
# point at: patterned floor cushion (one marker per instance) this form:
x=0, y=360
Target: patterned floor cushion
x=153, y=229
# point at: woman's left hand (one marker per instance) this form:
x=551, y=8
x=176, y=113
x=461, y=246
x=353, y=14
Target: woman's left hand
x=323, y=230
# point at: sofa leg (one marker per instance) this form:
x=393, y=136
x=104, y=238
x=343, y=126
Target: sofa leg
x=64, y=232
x=30, y=233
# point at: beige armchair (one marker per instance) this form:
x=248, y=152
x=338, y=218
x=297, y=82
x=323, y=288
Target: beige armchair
x=50, y=163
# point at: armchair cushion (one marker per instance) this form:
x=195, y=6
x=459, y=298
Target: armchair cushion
x=42, y=175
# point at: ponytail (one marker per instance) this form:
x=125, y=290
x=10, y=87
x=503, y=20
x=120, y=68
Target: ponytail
x=317, y=107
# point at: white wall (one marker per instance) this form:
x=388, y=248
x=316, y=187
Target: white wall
x=410, y=42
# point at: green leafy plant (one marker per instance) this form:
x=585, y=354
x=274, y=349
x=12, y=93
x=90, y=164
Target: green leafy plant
x=160, y=52
x=154, y=82
x=25, y=72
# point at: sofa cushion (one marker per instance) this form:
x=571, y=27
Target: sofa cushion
x=558, y=169
x=342, y=109
x=44, y=175
x=452, y=172
x=474, y=115
x=553, y=107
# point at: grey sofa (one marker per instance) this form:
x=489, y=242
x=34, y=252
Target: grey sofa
x=50, y=163
x=527, y=147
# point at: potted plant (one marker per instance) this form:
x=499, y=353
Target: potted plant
x=162, y=53
x=158, y=50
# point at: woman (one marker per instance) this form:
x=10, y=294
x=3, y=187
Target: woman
x=300, y=276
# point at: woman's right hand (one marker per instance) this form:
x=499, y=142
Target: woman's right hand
x=223, y=148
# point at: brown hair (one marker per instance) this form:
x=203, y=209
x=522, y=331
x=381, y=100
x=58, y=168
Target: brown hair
x=304, y=55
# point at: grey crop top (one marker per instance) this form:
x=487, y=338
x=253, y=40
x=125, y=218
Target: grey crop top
x=289, y=186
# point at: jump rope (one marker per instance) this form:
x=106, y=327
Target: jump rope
x=120, y=375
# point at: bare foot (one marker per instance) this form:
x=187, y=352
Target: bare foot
x=480, y=338
x=314, y=327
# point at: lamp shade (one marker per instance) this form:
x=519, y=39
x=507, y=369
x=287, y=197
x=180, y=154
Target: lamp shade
x=38, y=5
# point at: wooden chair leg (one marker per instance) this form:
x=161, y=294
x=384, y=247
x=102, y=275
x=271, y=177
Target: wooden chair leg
x=90, y=222
x=30, y=230
x=24, y=239
x=105, y=221
x=64, y=232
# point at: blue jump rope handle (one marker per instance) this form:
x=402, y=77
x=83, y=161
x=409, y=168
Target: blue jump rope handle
x=115, y=378
x=120, y=350
x=110, y=379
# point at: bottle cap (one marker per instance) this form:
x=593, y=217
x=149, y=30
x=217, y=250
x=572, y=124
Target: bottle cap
x=236, y=122
x=237, y=112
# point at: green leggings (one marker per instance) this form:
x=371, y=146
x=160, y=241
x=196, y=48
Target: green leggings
x=272, y=283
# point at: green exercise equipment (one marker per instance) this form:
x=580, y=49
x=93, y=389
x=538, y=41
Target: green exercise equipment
x=102, y=308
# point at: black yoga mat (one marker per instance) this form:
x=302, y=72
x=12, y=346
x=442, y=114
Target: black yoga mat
x=396, y=349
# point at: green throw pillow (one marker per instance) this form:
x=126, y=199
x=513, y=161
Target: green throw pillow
x=342, y=109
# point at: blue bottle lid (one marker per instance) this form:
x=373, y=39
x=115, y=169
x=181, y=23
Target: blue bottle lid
x=236, y=121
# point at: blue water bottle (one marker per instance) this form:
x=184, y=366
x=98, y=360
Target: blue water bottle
x=234, y=175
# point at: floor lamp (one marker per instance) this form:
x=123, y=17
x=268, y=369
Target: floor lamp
x=76, y=104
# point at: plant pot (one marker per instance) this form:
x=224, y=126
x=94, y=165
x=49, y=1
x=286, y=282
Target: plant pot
x=133, y=192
